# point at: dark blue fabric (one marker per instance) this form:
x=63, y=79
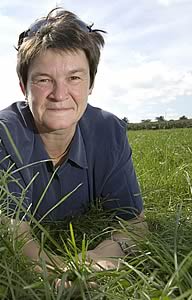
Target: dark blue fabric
x=99, y=162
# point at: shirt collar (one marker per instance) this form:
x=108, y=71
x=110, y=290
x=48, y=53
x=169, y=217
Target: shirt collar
x=77, y=153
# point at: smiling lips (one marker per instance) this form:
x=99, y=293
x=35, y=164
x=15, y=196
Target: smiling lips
x=60, y=108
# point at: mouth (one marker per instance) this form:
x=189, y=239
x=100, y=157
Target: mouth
x=60, y=109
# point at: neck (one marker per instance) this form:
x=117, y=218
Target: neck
x=57, y=143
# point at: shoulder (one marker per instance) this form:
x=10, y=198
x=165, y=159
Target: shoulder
x=14, y=113
x=15, y=127
x=17, y=119
x=102, y=124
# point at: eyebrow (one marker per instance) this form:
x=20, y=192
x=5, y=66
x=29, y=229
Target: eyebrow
x=80, y=70
x=40, y=74
x=71, y=72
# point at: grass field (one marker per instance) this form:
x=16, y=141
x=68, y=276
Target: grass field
x=162, y=267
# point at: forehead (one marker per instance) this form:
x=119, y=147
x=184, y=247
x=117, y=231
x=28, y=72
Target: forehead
x=58, y=60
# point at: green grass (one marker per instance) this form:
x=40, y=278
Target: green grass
x=163, y=161
x=161, y=269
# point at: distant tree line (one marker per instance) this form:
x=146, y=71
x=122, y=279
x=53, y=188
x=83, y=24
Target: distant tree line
x=159, y=123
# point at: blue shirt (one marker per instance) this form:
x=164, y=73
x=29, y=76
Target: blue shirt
x=99, y=165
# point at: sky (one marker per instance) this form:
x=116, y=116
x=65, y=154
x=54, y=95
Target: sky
x=145, y=69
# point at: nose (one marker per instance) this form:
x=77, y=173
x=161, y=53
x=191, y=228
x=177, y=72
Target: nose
x=60, y=91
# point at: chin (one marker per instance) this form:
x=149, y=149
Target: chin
x=60, y=126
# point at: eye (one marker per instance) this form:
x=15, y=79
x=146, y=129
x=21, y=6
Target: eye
x=72, y=78
x=42, y=81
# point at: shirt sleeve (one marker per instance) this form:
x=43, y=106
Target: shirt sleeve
x=14, y=200
x=121, y=193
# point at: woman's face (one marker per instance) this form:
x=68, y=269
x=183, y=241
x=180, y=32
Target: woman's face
x=57, y=90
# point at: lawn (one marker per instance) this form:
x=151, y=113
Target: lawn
x=162, y=266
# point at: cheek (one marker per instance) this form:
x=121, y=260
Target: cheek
x=38, y=91
x=36, y=96
x=81, y=95
x=35, y=99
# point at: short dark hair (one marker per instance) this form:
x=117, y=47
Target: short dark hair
x=63, y=31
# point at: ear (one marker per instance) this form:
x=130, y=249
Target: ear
x=22, y=88
x=91, y=89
